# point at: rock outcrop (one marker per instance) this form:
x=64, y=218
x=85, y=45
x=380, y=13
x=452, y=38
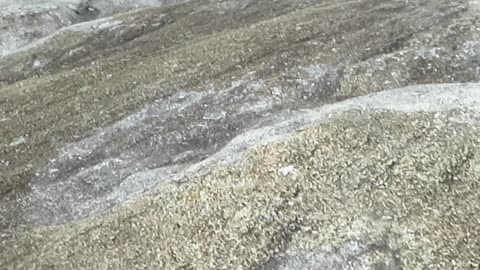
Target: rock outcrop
x=242, y=135
x=25, y=22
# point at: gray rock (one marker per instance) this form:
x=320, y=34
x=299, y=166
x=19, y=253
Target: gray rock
x=239, y=134
x=22, y=24
x=384, y=148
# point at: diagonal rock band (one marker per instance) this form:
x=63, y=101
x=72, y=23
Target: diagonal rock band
x=310, y=134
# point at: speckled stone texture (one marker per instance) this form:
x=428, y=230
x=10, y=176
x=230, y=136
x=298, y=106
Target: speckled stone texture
x=266, y=135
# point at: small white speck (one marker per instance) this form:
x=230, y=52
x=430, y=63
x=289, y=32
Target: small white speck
x=286, y=170
x=38, y=64
x=17, y=141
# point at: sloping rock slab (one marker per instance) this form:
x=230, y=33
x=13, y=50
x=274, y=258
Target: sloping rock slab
x=386, y=181
x=60, y=89
x=27, y=21
x=135, y=140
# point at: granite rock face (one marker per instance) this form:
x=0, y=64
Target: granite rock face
x=308, y=134
x=24, y=22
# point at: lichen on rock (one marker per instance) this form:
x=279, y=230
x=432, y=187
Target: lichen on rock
x=259, y=134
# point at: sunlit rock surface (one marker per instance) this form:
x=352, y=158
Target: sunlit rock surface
x=239, y=134
x=23, y=22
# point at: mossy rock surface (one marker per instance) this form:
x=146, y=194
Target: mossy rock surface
x=162, y=138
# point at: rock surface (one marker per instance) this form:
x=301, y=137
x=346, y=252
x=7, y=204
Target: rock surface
x=228, y=135
x=23, y=23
